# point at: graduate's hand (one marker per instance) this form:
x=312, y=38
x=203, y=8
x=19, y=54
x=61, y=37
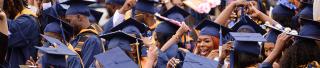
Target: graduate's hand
x=226, y=48
x=253, y=11
x=127, y=6
x=172, y=63
x=213, y=54
x=282, y=39
x=183, y=28
x=3, y=23
x=152, y=53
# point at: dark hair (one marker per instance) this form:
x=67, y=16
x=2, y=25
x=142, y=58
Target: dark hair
x=13, y=7
x=301, y=52
x=242, y=60
x=162, y=38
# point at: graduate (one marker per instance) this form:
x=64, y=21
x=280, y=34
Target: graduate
x=55, y=54
x=246, y=49
x=25, y=33
x=167, y=35
x=86, y=42
x=120, y=48
x=56, y=10
x=209, y=39
x=135, y=29
x=119, y=15
x=144, y=12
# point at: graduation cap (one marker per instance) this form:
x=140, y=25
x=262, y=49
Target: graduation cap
x=282, y=10
x=247, y=42
x=247, y=23
x=306, y=13
x=115, y=58
x=58, y=26
x=131, y=26
x=56, y=10
x=310, y=30
x=95, y=16
x=78, y=7
x=54, y=56
x=176, y=13
x=208, y=27
x=119, y=39
x=149, y=6
x=196, y=61
x=272, y=35
x=117, y=2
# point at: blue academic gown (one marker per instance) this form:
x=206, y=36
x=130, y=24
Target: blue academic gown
x=91, y=47
x=108, y=26
x=3, y=49
x=25, y=34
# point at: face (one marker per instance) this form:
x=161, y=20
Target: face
x=111, y=8
x=205, y=44
x=268, y=48
x=78, y=22
x=145, y=18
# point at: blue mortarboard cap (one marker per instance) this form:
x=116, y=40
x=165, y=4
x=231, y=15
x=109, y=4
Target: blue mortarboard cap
x=149, y=6
x=310, y=30
x=119, y=39
x=247, y=23
x=54, y=56
x=131, y=26
x=208, y=27
x=78, y=7
x=53, y=27
x=281, y=10
x=55, y=10
x=95, y=16
x=117, y=2
x=167, y=27
x=176, y=13
x=272, y=35
x=115, y=58
x=247, y=42
x=306, y=13
x=60, y=45
x=196, y=61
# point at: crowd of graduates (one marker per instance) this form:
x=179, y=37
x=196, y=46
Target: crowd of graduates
x=159, y=34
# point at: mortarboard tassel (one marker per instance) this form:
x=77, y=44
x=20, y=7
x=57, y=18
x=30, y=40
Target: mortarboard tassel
x=220, y=41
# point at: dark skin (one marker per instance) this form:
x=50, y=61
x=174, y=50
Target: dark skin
x=204, y=45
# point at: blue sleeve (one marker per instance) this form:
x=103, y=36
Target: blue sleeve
x=108, y=26
x=265, y=65
x=74, y=62
x=91, y=47
x=25, y=31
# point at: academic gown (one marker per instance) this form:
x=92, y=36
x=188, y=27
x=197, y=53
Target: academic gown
x=24, y=36
x=91, y=47
x=44, y=19
x=108, y=26
x=3, y=48
x=165, y=56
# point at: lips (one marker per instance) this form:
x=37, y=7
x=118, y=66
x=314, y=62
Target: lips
x=203, y=51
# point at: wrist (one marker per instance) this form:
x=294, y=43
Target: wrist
x=122, y=11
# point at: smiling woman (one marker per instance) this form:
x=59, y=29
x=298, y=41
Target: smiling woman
x=205, y=44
